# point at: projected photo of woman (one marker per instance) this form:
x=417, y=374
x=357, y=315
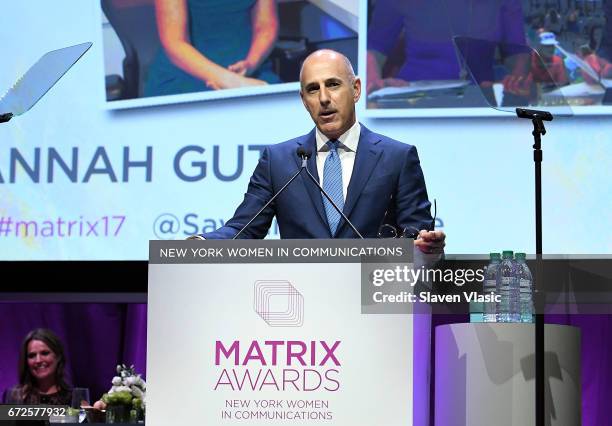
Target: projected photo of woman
x=411, y=42
x=412, y=62
x=41, y=372
x=212, y=44
x=161, y=52
x=426, y=29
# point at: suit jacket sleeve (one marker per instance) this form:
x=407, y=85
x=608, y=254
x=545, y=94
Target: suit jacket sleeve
x=412, y=204
x=259, y=192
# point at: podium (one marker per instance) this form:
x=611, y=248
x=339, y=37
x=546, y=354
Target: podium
x=273, y=332
x=485, y=375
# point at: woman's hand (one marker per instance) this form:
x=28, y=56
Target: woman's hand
x=99, y=405
x=375, y=62
x=244, y=67
x=265, y=31
x=232, y=80
x=602, y=67
x=172, y=23
x=518, y=85
x=379, y=83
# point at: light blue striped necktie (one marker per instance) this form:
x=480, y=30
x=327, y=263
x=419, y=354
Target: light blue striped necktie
x=332, y=184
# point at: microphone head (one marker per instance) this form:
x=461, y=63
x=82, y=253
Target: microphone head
x=534, y=114
x=304, y=153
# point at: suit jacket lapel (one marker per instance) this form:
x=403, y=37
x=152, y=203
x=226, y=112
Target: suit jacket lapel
x=309, y=143
x=368, y=154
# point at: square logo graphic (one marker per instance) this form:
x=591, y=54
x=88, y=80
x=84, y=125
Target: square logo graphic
x=278, y=303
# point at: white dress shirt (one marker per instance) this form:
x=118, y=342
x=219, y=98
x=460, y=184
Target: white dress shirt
x=347, y=149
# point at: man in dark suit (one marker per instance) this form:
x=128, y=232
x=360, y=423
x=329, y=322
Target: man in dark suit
x=372, y=178
x=375, y=180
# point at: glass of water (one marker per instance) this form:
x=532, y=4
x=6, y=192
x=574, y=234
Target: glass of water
x=80, y=397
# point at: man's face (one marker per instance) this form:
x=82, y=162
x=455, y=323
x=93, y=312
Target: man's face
x=328, y=93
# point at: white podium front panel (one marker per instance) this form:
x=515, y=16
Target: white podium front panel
x=272, y=343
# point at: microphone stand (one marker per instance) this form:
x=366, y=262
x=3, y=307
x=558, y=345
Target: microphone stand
x=539, y=130
x=273, y=198
x=304, y=155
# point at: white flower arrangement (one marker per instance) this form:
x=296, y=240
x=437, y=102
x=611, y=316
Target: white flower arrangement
x=128, y=388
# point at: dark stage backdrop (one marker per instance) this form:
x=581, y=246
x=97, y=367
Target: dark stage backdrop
x=96, y=338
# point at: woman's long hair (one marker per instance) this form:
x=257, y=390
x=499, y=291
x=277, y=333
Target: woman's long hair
x=26, y=381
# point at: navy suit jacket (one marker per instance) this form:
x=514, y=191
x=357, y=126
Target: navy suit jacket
x=387, y=185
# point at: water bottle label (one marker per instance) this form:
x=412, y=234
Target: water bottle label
x=489, y=285
x=505, y=282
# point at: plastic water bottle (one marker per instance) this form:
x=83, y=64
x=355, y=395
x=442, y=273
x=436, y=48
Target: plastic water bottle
x=508, y=289
x=515, y=293
x=526, y=288
x=490, y=286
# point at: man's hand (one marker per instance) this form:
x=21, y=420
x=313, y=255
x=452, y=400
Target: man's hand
x=431, y=242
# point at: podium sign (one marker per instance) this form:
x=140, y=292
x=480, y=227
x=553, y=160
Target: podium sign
x=271, y=332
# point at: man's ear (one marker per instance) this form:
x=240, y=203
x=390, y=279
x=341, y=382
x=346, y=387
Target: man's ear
x=304, y=101
x=356, y=89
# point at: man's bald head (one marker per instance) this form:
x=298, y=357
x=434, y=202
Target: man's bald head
x=327, y=55
x=329, y=91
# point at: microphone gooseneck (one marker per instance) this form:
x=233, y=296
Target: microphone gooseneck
x=304, y=154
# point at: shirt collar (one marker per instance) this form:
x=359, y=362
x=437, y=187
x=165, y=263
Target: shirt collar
x=348, y=140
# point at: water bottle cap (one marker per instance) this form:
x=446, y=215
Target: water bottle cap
x=507, y=254
x=520, y=256
x=494, y=256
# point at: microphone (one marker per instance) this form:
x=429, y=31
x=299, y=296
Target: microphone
x=533, y=114
x=304, y=154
